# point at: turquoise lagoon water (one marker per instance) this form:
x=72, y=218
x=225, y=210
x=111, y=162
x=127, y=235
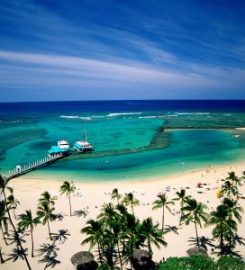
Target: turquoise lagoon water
x=129, y=142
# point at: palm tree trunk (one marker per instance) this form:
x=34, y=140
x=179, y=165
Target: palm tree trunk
x=162, y=218
x=14, y=229
x=196, y=235
x=109, y=257
x=149, y=248
x=49, y=231
x=181, y=213
x=69, y=197
x=32, y=243
x=100, y=257
x=132, y=208
x=222, y=244
x=119, y=254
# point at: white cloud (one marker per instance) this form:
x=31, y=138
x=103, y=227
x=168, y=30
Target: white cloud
x=50, y=72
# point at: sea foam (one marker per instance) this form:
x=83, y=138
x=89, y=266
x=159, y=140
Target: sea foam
x=86, y=118
x=193, y=113
x=123, y=114
x=70, y=116
x=148, y=117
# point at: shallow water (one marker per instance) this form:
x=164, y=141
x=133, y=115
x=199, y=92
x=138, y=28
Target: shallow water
x=127, y=137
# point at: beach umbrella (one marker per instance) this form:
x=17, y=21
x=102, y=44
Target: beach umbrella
x=141, y=260
x=199, y=185
x=219, y=194
x=196, y=251
x=84, y=260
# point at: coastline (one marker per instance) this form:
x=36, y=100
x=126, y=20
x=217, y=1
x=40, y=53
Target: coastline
x=91, y=195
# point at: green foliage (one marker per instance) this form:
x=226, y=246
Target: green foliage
x=196, y=262
x=194, y=212
x=130, y=200
x=230, y=263
x=225, y=220
x=45, y=210
x=116, y=233
x=162, y=202
x=68, y=188
x=200, y=262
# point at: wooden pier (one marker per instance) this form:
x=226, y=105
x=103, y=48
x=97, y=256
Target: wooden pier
x=20, y=170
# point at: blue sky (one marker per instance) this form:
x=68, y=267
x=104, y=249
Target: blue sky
x=122, y=49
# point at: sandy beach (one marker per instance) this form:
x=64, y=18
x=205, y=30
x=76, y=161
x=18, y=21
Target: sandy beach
x=90, y=196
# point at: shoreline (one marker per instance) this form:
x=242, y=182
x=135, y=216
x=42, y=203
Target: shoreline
x=90, y=196
x=168, y=177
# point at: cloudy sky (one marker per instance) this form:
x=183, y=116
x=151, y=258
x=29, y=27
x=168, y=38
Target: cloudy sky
x=122, y=49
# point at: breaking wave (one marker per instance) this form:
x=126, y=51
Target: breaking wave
x=123, y=114
x=149, y=117
x=192, y=113
x=69, y=116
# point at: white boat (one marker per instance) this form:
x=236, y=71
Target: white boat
x=62, y=147
x=63, y=144
x=83, y=146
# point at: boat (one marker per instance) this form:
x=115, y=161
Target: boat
x=82, y=146
x=63, y=144
x=62, y=147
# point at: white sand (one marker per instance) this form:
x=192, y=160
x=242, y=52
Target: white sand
x=95, y=194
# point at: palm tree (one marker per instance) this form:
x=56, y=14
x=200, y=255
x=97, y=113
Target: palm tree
x=46, y=198
x=108, y=246
x=162, y=202
x=181, y=196
x=45, y=212
x=235, y=180
x=229, y=190
x=107, y=214
x=194, y=212
x=234, y=209
x=3, y=221
x=68, y=188
x=225, y=228
x=28, y=221
x=129, y=199
x=12, y=202
x=132, y=235
x=3, y=184
x=152, y=234
x=128, y=227
x=115, y=195
x=95, y=235
x=231, y=186
x=116, y=227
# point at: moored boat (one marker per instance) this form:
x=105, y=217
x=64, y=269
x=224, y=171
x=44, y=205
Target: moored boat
x=62, y=147
x=82, y=146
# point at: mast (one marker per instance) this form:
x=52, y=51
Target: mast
x=84, y=131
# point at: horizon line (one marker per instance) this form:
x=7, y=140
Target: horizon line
x=111, y=100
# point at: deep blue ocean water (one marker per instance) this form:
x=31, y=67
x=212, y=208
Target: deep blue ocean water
x=125, y=136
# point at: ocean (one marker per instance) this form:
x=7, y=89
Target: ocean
x=131, y=139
